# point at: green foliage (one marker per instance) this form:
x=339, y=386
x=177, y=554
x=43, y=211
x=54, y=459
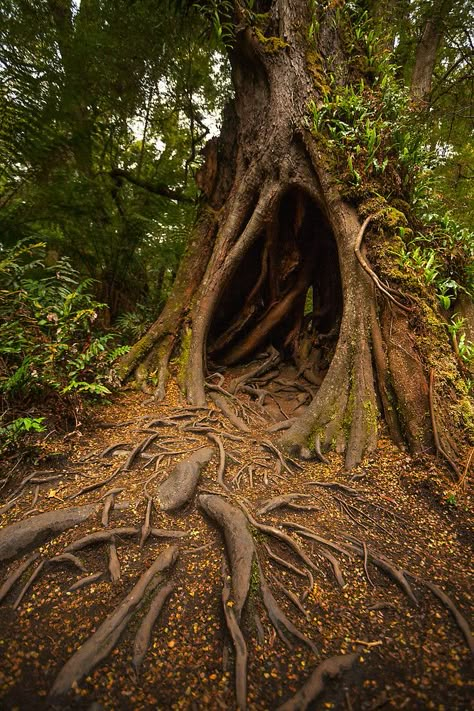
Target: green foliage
x=15, y=431
x=444, y=254
x=133, y=324
x=381, y=144
x=372, y=132
x=49, y=351
x=219, y=15
x=79, y=102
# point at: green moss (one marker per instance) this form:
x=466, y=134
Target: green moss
x=254, y=579
x=270, y=45
x=370, y=416
x=182, y=360
x=315, y=66
x=348, y=413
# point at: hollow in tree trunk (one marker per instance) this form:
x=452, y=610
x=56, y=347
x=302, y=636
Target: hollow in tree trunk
x=277, y=222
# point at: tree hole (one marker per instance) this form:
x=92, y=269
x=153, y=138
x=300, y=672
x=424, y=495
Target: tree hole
x=286, y=293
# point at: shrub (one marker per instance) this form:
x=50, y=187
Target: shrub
x=51, y=356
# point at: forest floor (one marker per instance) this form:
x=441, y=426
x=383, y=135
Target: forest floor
x=405, y=514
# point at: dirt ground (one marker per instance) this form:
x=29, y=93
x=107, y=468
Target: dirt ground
x=409, y=655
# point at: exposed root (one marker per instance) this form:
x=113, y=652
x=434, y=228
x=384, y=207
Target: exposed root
x=29, y=583
x=4, y=509
x=31, y=532
x=366, y=557
x=35, y=496
x=279, y=426
x=279, y=535
x=287, y=500
x=16, y=575
x=96, y=485
x=308, y=533
x=114, y=563
x=221, y=469
x=35, y=478
x=389, y=293
x=143, y=636
x=108, y=506
x=239, y=545
x=384, y=564
x=289, y=566
x=461, y=621
x=238, y=641
x=315, y=684
x=181, y=484
x=111, y=449
x=138, y=450
x=88, y=580
x=101, y=643
x=335, y=566
x=68, y=558
x=97, y=537
x=221, y=403
x=291, y=596
x=270, y=446
x=146, y=528
x=398, y=576
x=317, y=449
x=349, y=508
x=267, y=365
x=336, y=485
x=278, y=618
x=165, y=533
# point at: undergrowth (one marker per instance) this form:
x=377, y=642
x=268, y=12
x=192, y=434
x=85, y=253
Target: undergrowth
x=376, y=135
x=53, y=358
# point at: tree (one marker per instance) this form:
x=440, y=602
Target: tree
x=311, y=185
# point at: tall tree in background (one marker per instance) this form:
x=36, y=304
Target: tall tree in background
x=311, y=186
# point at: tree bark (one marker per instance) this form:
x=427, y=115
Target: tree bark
x=427, y=50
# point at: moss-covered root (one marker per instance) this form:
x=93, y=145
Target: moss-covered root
x=343, y=415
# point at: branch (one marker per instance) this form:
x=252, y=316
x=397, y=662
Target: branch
x=157, y=189
x=385, y=290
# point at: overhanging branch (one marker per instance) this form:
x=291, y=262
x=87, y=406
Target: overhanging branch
x=156, y=189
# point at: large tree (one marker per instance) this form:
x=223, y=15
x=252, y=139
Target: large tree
x=311, y=186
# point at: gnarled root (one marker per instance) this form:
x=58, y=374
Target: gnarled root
x=143, y=636
x=238, y=641
x=181, y=484
x=343, y=413
x=315, y=684
x=31, y=532
x=239, y=545
x=100, y=644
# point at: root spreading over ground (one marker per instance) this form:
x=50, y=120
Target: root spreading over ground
x=182, y=560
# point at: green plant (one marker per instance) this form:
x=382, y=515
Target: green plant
x=51, y=352
x=15, y=430
x=450, y=499
x=466, y=349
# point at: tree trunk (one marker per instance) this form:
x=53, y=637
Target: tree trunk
x=427, y=50
x=275, y=221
